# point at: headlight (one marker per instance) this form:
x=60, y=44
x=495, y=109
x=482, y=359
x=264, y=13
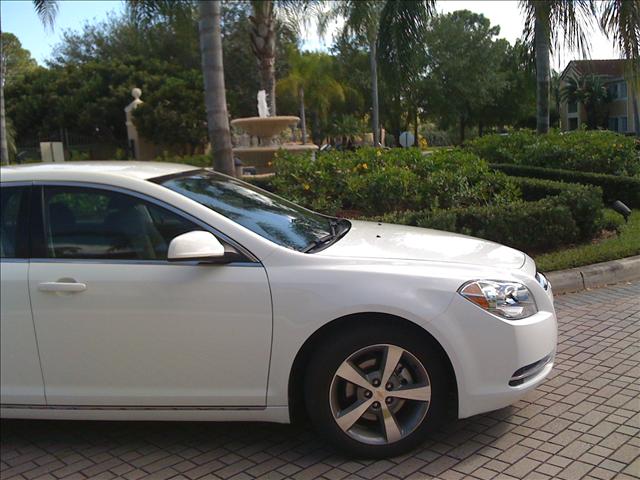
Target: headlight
x=510, y=300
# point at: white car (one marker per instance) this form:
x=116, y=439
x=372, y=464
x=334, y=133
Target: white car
x=154, y=291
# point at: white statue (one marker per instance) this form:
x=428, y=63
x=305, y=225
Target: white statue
x=263, y=109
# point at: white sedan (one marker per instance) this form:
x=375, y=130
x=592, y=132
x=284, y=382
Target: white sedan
x=154, y=291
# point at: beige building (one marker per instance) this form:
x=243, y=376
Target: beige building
x=612, y=72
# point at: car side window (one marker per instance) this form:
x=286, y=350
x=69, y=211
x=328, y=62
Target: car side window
x=90, y=223
x=13, y=221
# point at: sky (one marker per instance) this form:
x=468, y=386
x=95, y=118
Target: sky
x=19, y=18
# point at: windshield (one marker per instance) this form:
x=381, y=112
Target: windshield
x=269, y=216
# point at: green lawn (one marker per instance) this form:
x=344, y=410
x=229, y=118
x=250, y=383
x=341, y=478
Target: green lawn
x=625, y=244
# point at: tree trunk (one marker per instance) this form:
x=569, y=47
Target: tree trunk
x=4, y=148
x=415, y=128
x=375, y=108
x=462, y=127
x=542, y=40
x=480, y=128
x=214, y=90
x=303, y=117
x=315, y=128
x=263, y=44
x=636, y=114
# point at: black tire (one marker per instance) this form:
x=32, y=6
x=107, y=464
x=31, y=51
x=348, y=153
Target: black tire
x=335, y=350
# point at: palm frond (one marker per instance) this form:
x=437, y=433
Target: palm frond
x=295, y=14
x=620, y=21
x=568, y=22
x=402, y=28
x=46, y=11
x=153, y=11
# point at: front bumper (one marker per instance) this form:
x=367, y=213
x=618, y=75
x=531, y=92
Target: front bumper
x=498, y=361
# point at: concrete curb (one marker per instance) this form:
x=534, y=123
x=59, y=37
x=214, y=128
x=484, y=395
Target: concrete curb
x=596, y=275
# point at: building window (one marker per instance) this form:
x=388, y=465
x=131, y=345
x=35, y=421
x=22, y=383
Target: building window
x=618, y=124
x=618, y=90
x=573, y=123
x=572, y=107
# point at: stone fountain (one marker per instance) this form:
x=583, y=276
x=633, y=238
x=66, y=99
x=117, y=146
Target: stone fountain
x=259, y=149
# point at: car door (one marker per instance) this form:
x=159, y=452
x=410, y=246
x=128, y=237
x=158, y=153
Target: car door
x=118, y=324
x=20, y=373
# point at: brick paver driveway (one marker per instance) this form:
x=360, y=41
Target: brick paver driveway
x=584, y=421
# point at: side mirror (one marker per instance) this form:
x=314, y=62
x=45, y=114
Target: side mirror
x=196, y=246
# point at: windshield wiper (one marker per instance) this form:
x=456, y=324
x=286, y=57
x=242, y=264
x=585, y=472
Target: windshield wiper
x=327, y=239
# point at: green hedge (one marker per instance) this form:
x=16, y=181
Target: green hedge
x=580, y=151
x=529, y=226
x=584, y=201
x=625, y=244
x=614, y=187
x=552, y=214
x=373, y=182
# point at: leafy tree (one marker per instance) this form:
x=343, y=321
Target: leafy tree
x=515, y=103
x=93, y=70
x=174, y=40
x=86, y=99
x=46, y=11
x=16, y=60
x=464, y=79
x=351, y=69
x=548, y=24
x=592, y=93
x=393, y=32
x=173, y=112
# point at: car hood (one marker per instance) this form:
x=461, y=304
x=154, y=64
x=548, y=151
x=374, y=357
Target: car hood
x=383, y=240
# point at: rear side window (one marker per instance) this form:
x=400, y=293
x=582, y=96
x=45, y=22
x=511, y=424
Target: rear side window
x=14, y=213
x=89, y=223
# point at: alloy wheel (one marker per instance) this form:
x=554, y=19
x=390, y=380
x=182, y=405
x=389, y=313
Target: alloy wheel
x=380, y=394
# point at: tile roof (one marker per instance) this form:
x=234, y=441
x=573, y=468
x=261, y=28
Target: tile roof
x=614, y=68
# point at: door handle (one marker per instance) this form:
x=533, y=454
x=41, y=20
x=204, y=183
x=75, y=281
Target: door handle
x=62, y=287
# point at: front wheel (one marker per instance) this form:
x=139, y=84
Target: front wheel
x=376, y=391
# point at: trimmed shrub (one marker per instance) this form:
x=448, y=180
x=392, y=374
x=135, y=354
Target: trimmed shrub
x=373, y=182
x=614, y=187
x=530, y=226
x=584, y=201
x=553, y=214
x=588, y=151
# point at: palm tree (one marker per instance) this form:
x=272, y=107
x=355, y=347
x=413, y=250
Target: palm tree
x=620, y=20
x=214, y=91
x=212, y=65
x=263, y=37
x=391, y=29
x=46, y=11
x=591, y=91
x=549, y=24
x=263, y=45
x=311, y=81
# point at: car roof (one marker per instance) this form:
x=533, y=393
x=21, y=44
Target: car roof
x=128, y=169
